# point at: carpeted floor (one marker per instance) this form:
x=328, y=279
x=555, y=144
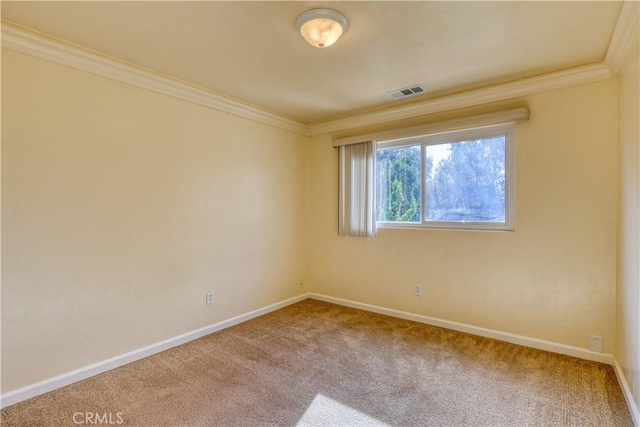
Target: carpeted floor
x=319, y=364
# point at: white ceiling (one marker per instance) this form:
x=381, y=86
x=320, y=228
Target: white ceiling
x=251, y=50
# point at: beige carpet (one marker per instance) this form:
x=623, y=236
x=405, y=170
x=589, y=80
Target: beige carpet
x=319, y=364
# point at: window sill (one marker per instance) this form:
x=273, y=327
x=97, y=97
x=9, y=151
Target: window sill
x=446, y=226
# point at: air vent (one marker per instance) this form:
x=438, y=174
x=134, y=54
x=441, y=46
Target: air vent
x=407, y=91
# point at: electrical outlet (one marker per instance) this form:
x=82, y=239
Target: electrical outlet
x=596, y=343
x=301, y=284
x=417, y=290
x=209, y=297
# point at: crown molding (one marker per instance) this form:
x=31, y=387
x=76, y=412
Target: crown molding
x=499, y=92
x=42, y=46
x=625, y=30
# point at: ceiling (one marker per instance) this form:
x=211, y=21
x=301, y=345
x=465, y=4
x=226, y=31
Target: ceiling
x=252, y=52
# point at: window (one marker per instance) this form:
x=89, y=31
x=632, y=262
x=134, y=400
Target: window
x=462, y=179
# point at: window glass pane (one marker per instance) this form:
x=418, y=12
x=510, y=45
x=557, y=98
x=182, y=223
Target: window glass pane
x=398, y=194
x=465, y=181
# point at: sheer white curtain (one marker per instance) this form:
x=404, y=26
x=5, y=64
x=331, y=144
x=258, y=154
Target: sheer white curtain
x=357, y=190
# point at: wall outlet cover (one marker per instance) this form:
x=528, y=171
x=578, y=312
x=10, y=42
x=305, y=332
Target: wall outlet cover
x=596, y=343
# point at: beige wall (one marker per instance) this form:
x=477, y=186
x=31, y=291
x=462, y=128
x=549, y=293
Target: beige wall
x=122, y=207
x=628, y=289
x=551, y=279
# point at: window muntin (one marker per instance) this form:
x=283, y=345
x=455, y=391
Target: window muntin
x=467, y=180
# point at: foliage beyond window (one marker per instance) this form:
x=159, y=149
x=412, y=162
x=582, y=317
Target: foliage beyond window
x=464, y=181
x=398, y=184
x=469, y=183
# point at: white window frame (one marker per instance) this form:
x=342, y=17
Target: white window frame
x=506, y=129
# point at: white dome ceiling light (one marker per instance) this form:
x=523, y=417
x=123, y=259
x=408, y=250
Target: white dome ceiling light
x=321, y=27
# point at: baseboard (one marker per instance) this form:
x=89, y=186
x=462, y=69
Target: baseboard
x=54, y=383
x=59, y=381
x=502, y=336
x=551, y=346
x=624, y=385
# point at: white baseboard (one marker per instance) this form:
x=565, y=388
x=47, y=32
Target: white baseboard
x=624, y=385
x=59, y=381
x=33, y=390
x=553, y=347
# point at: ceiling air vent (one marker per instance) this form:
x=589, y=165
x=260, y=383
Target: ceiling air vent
x=407, y=91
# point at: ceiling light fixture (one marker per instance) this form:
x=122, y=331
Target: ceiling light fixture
x=321, y=27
